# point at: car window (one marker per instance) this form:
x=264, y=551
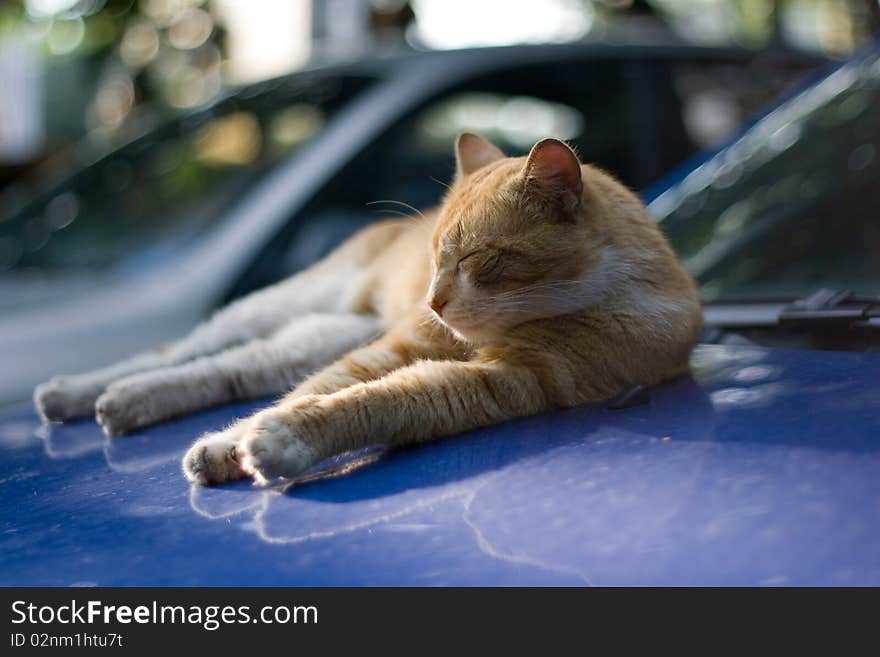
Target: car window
x=132, y=208
x=592, y=104
x=792, y=206
x=636, y=118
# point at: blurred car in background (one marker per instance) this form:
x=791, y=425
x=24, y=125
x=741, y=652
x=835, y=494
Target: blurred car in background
x=136, y=247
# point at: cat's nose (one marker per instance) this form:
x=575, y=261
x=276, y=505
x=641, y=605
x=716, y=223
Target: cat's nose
x=437, y=305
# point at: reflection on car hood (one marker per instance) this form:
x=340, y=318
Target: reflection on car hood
x=760, y=468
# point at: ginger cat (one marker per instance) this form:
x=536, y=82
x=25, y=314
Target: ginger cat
x=539, y=283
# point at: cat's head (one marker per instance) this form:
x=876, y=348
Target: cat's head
x=511, y=242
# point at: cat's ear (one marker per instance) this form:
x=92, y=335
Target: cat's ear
x=473, y=152
x=554, y=170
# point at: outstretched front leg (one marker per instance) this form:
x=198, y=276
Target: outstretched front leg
x=420, y=402
x=214, y=458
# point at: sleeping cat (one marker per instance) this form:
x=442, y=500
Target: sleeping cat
x=539, y=283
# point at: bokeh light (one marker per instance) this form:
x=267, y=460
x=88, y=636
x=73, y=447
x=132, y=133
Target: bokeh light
x=464, y=23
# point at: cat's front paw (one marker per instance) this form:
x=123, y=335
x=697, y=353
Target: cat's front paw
x=214, y=459
x=271, y=448
x=62, y=398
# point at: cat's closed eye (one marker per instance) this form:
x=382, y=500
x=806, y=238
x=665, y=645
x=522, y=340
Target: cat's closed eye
x=482, y=267
x=466, y=257
x=489, y=268
x=503, y=267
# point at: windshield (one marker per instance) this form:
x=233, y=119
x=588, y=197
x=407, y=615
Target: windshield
x=794, y=204
x=135, y=207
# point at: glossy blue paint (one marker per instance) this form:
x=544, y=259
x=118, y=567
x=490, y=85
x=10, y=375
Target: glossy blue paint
x=761, y=468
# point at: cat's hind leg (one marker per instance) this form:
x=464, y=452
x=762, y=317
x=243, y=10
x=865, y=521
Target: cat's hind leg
x=259, y=368
x=71, y=396
x=319, y=289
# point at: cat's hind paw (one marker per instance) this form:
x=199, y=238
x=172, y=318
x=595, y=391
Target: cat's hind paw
x=213, y=459
x=61, y=399
x=119, y=413
x=271, y=448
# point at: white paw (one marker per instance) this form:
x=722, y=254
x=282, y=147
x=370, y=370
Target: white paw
x=119, y=412
x=62, y=398
x=271, y=448
x=214, y=459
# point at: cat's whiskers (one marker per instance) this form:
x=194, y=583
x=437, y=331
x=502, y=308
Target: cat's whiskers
x=397, y=213
x=440, y=182
x=564, y=284
x=405, y=205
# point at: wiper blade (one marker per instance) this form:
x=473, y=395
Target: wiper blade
x=827, y=319
x=825, y=309
x=831, y=308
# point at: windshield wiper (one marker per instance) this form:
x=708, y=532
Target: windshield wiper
x=824, y=308
x=831, y=309
x=827, y=319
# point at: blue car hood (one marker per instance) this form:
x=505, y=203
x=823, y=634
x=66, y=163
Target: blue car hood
x=761, y=468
